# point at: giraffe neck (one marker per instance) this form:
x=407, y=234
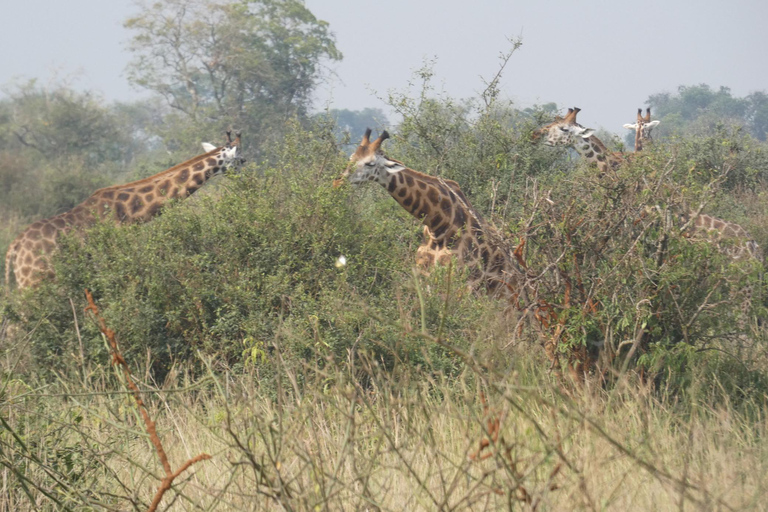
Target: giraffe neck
x=639, y=138
x=595, y=152
x=139, y=201
x=438, y=204
x=452, y=227
x=741, y=245
x=133, y=202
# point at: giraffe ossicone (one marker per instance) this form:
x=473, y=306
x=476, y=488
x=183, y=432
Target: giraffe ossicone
x=28, y=256
x=452, y=227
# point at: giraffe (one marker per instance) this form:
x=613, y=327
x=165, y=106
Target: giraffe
x=138, y=201
x=452, y=227
x=565, y=131
x=730, y=238
x=643, y=127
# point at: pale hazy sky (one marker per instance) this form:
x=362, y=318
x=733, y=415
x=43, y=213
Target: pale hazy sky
x=604, y=56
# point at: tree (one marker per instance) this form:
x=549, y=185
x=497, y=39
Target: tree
x=58, y=145
x=248, y=63
x=698, y=108
x=60, y=125
x=757, y=114
x=349, y=125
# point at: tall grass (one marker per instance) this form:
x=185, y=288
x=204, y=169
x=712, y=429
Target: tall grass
x=357, y=436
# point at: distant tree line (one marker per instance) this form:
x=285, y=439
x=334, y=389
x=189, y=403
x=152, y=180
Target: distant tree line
x=695, y=109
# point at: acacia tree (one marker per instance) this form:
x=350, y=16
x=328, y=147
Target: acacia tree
x=249, y=63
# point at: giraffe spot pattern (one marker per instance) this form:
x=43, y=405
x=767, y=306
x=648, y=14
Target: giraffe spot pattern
x=154, y=209
x=416, y=203
x=440, y=231
x=459, y=217
x=49, y=230
x=120, y=211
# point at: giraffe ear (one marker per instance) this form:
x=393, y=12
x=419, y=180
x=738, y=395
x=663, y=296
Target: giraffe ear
x=585, y=133
x=653, y=123
x=207, y=147
x=630, y=126
x=393, y=167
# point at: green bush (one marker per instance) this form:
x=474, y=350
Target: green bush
x=248, y=270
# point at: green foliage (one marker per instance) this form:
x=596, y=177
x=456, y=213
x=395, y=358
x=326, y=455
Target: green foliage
x=249, y=271
x=57, y=145
x=246, y=269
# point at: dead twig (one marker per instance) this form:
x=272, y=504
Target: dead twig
x=118, y=359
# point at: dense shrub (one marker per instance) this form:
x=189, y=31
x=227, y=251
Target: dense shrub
x=249, y=268
x=246, y=270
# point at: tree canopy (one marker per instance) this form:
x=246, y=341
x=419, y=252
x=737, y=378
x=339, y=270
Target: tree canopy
x=695, y=108
x=250, y=63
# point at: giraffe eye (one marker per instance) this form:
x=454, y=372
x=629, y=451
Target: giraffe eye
x=369, y=164
x=563, y=128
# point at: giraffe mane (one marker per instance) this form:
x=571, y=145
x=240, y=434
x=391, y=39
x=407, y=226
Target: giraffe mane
x=158, y=176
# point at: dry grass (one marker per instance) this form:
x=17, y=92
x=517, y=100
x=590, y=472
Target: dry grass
x=403, y=442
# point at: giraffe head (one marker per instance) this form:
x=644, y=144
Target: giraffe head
x=564, y=131
x=368, y=162
x=643, y=127
x=228, y=154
